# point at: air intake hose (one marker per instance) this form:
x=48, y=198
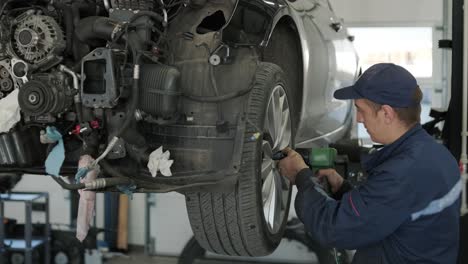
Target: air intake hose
x=96, y=28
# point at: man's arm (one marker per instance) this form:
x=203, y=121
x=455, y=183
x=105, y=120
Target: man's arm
x=364, y=215
x=338, y=185
x=344, y=188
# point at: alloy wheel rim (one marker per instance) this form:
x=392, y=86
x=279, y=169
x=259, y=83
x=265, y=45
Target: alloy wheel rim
x=277, y=136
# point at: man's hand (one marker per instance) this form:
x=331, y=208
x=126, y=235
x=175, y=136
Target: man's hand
x=291, y=165
x=334, y=179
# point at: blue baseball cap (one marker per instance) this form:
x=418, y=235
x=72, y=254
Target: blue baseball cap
x=383, y=83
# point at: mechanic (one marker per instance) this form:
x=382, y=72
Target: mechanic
x=408, y=209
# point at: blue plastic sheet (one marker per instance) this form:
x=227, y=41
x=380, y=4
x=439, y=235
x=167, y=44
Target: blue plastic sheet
x=81, y=173
x=54, y=161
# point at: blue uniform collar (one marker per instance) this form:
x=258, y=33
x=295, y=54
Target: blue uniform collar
x=375, y=158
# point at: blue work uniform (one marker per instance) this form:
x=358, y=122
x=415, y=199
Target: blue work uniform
x=407, y=211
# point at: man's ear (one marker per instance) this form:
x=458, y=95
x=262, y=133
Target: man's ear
x=389, y=114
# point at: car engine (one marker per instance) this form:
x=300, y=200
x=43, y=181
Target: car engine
x=95, y=71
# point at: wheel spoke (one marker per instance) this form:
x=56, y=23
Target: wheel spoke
x=265, y=194
x=268, y=194
x=281, y=123
x=278, y=198
x=271, y=202
x=267, y=168
x=273, y=205
x=277, y=116
x=271, y=121
x=285, y=132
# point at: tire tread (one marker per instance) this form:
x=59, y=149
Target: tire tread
x=228, y=223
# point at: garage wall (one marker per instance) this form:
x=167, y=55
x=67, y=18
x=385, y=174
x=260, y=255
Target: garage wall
x=58, y=200
x=389, y=12
x=60, y=207
x=400, y=13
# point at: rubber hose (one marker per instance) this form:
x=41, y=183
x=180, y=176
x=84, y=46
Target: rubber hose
x=68, y=186
x=95, y=28
x=133, y=104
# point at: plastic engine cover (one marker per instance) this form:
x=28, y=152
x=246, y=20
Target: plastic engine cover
x=159, y=90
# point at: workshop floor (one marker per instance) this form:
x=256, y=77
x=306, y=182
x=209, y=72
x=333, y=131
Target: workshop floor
x=141, y=259
x=137, y=255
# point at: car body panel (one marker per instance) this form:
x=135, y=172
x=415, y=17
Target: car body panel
x=330, y=62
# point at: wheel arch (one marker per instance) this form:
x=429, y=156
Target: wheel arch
x=290, y=58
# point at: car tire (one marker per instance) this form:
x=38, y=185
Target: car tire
x=65, y=248
x=250, y=219
x=194, y=253
x=191, y=252
x=8, y=181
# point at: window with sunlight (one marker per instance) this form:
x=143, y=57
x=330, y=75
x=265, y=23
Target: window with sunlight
x=410, y=47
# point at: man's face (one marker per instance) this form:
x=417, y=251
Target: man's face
x=372, y=119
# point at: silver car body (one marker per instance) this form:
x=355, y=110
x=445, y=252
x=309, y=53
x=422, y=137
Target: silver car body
x=330, y=62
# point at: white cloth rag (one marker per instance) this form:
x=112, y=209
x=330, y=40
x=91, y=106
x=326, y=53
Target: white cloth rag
x=10, y=109
x=159, y=161
x=87, y=200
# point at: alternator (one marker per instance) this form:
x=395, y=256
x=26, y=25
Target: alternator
x=4, y=35
x=36, y=37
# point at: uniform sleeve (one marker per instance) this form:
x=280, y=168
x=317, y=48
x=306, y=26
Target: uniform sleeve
x=363, y=216
x=345, y=187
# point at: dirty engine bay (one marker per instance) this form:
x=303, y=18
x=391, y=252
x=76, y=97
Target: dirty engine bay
x=95, y=86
